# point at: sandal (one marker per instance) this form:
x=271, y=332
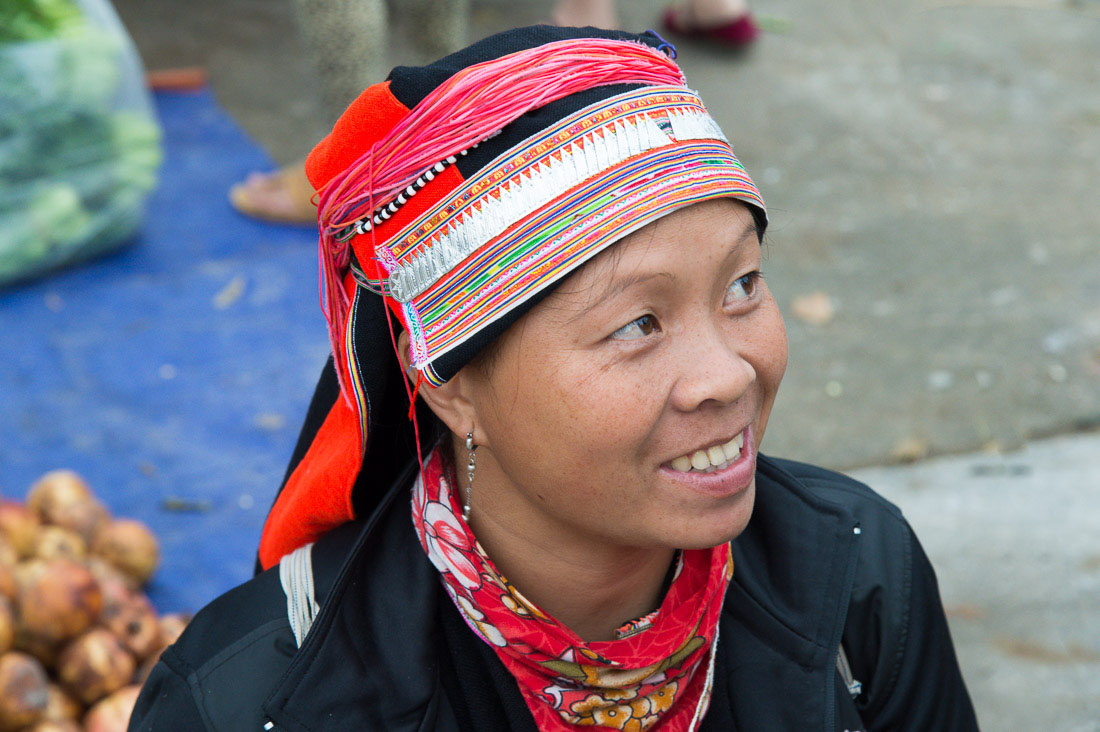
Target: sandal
x=284, y=197
x=737, y=33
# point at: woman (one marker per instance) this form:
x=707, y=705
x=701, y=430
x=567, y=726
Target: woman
x=546, y=244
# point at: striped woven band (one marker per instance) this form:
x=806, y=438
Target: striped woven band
x=546, y=206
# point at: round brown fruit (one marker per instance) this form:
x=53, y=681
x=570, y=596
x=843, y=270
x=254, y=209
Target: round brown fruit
x=130, y=546
x=53, y=542
x=8, y=586
x=24, y=691
x=134, y=622
x=58, y=599
x=7, y=625
x=44, y=650
x=8, y=556
x=113, y=583
x=61, y=706
x=113, y=713
x=55, y=489
x=147, y=665
x=84, y=517
x=172, y=626
x=94, y=665
x=28, y=572
x=20, y=526
x=56, y=725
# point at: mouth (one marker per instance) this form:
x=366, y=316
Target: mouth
x=722, y=470
x=711, y=459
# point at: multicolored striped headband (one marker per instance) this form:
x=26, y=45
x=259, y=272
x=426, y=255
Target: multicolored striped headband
x=548, y=205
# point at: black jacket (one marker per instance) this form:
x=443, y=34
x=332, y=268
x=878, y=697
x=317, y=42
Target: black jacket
x=823, y=561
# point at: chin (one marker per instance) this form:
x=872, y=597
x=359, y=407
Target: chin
x=716, y=526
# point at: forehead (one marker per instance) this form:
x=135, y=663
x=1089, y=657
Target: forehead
x=688, y=237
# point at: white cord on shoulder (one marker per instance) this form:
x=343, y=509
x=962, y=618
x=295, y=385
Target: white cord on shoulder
x=708, y=685
x=296, y=576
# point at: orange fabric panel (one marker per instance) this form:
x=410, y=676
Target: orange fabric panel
x=317, y=497
x=364, y=122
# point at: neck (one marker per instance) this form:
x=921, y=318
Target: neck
x=591, y=587
x=592, y=593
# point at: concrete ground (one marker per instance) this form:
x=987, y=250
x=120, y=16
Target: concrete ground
x=1015, y=540
x=930, y=169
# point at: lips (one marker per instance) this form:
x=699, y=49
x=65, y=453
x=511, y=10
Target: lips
x=712, y=458
x=723, y=478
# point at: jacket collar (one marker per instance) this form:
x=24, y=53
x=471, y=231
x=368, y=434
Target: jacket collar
x=793, y=568
x=377, y=630
x=369, y=660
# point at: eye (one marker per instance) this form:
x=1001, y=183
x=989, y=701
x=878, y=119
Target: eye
x=637, y=328
x=743, y=288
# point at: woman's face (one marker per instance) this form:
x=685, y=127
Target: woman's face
x=603, y=411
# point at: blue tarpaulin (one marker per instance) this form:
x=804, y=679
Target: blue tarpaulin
x=173, y=375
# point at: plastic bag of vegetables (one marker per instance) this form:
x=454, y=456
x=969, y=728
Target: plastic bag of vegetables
x=79, y=144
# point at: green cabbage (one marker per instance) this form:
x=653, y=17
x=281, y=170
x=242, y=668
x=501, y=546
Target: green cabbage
x=75, y=167
x=33, y=20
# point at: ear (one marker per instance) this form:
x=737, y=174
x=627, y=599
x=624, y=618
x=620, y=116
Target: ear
x=451, y=402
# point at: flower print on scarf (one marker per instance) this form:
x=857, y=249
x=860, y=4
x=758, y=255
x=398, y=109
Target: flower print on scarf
x=510, y=603
x=514, y=600
x=602, y=714
x=606, y=676
x=443, y=537
x=622, y=709
x=476, y=620
x=655, y=702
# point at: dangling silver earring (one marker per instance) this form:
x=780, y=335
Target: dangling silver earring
x=471, y=456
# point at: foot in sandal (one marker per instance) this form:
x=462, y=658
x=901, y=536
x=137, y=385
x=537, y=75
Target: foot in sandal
x=284, y=196
x=728, y=22
x=581, y=13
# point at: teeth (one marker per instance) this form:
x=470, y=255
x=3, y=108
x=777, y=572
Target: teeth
x=682, y=463
x=713, y=458
x=731, y=450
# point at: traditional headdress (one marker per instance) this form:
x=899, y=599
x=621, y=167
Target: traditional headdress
x=459, y=194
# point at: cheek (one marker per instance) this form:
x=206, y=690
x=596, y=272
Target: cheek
x=602, y=410
x=589, y=414
x=769, y=357
x=774, y=346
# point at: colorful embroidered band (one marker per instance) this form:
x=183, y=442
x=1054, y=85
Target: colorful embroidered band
x=545, y=207
x=657, y=673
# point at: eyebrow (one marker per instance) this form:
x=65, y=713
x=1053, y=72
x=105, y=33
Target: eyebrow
x=620, y=286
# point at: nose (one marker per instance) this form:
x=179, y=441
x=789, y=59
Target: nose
x=712, y=369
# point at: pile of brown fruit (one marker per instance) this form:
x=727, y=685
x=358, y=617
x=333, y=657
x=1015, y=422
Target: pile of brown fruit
x=77, y=635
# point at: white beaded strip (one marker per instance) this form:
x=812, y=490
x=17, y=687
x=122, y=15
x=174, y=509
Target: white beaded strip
x=602, y=149
x=364, y=225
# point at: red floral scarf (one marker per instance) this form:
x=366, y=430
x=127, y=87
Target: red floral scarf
x=659, y=671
